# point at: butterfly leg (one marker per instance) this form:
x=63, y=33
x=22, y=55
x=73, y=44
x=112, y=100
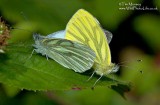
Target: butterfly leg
x=31, y=54
x=97, y=81
x=113, y=78
x=91, y=76
x=46, y=56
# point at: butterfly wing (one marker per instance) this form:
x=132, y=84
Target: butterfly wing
x=72, y=55
x=109, y=35
x=61, y=34
x=58, y=34
x=84, y=28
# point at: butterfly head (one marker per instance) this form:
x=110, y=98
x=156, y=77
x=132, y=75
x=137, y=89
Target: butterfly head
x=38, y=40
x=112, y=68
x=115, y=68
x=36, y=37
x=106, y=69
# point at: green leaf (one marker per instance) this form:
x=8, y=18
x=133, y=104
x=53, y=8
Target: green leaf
x=37, y=73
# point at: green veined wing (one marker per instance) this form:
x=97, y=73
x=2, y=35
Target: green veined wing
x=72, y=55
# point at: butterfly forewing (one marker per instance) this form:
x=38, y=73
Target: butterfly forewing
x=84, y=28
x=72, y=55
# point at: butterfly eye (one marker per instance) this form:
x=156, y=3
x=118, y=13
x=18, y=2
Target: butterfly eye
x=115, y=69
x=36, y=37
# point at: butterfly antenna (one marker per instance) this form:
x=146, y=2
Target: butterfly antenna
x=130, y=68
x=26, y=19
x=122, y=63
x=91, y=76
x=13, y=28
x=138, y=60
x=97, y=81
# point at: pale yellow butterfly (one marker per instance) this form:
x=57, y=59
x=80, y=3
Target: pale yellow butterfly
x=84, y=28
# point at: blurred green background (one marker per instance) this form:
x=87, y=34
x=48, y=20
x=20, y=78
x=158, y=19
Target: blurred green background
x=136, y=35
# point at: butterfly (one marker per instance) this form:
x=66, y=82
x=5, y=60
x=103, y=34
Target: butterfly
x=85, y=28
x=70, y=54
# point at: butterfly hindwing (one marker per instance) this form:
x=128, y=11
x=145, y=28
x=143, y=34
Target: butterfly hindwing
x=72, y=55
x=109, y=35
